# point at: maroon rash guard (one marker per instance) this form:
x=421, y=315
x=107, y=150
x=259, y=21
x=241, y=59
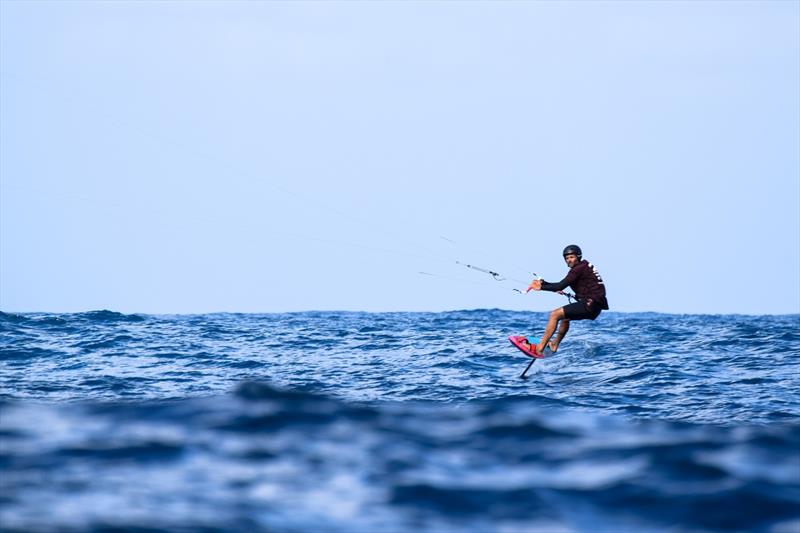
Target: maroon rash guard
x=584, y=279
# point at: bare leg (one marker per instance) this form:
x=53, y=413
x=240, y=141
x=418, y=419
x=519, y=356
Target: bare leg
x=563, y=328
x=552, y=322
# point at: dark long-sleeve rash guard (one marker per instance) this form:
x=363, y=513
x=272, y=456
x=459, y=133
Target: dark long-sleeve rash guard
x=584, y=279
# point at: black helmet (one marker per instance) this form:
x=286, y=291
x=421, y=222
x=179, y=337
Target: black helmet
x=573, y=249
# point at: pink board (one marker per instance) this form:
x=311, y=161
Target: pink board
x=525, y=346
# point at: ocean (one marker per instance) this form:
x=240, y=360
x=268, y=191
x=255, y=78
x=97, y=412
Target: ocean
x=395, y=422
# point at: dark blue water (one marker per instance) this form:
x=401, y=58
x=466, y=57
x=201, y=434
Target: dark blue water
x=391, y=422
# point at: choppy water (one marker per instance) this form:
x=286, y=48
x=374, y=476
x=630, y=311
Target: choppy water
x=398, y=422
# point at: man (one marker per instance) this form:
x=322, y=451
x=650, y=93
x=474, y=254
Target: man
x=590, y=293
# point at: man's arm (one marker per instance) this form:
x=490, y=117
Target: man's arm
x=555, y=287
x=572, y=275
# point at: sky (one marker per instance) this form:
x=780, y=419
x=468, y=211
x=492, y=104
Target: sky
x=192, y=157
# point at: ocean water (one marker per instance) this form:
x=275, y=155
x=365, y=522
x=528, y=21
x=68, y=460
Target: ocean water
x=393, y=422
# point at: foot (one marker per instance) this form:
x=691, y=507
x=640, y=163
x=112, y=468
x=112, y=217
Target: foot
x=553, y=345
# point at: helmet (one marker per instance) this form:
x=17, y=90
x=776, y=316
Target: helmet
x=573, y=249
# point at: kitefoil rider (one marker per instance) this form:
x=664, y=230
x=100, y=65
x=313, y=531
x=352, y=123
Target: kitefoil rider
x=590, y=293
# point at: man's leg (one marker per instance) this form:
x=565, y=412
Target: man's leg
x=563, y=328
x=552, y=322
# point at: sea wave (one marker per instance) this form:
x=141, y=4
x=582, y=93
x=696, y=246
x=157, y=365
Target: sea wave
x=272, y=459
x=393, y=422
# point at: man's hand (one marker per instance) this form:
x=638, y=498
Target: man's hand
x=535, y=285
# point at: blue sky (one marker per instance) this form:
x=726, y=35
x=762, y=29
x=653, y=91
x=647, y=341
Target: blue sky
x=189, y=157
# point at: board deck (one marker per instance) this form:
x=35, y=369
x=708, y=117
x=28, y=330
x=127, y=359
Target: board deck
x=525, y=346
